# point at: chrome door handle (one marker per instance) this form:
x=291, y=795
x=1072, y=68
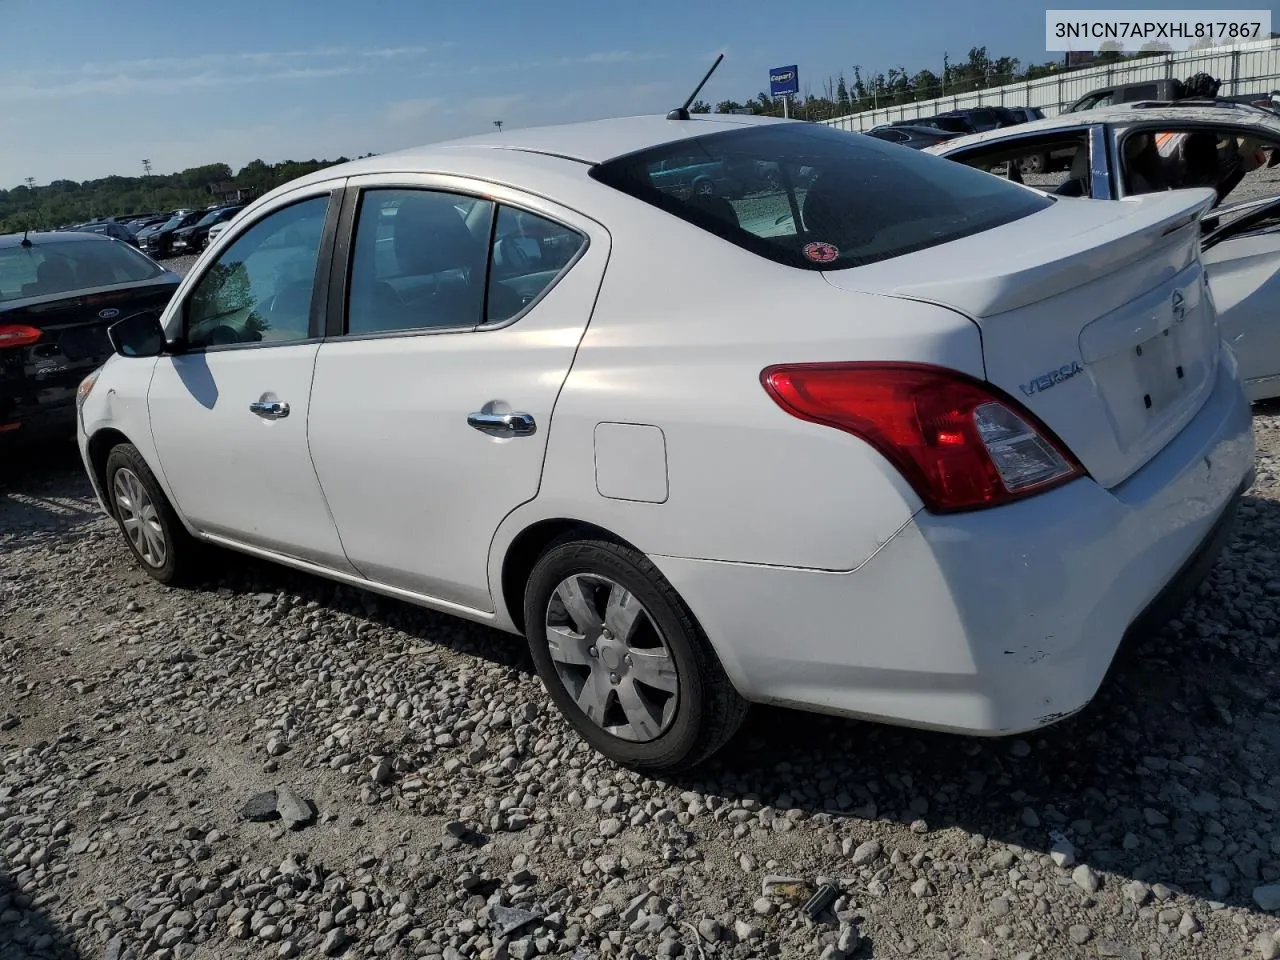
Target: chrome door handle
x=503, y=424
x=269, y=409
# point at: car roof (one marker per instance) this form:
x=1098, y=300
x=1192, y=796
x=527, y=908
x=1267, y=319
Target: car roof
x=1124, y=115
x=46, y=237
x=590, y=142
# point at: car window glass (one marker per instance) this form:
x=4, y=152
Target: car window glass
x=259, y=288
x=1057, y=163
x=814, y=197
x=529, y=252
x=1237, y=165
x=419, y=261
x=46, y=269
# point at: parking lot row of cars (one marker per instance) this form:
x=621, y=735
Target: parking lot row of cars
x=171, y=234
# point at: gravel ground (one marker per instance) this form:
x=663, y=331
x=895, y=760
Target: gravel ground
x=428, y=801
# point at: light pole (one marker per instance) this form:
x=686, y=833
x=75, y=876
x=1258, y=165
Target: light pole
x=498, y=124
x=146, y=168
x=30, y=182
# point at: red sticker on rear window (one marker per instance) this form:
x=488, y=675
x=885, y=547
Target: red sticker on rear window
x=821, y=252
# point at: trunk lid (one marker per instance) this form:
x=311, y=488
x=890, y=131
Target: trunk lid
x=1095, y=315
x=73, y=338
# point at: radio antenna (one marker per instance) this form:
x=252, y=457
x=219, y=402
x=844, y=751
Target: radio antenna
x=682, y=113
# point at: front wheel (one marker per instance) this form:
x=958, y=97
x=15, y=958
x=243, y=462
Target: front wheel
x=623, y=659
x=156, y=537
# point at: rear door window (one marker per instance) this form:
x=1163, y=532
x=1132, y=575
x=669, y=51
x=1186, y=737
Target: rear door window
x=823, y=199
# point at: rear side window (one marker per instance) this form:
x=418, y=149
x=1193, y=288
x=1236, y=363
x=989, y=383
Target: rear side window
x=46, y=269
x=426, y=259
x=814, y=197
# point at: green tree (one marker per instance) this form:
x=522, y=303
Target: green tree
x=700, y=106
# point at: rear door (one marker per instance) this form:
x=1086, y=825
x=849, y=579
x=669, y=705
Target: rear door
x=433, y=395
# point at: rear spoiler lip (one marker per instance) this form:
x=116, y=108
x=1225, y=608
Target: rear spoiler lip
x=1054, y=266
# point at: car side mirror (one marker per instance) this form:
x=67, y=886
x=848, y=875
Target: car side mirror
x=138, y=335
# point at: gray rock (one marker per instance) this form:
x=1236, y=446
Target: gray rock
x=260, y=808
x=1030, y=818
x=709, y=929
x=849, y=939
x=1266, y=946
x=866, y=852
x=764, y=907
x=1063, y=853
x=746, y=932
x=1084, y=878
x=1079, y=933
x=1137, y=892
x=335, y=942
x=508, y=920
x=1267, y=896
x=1188, y=925
x=611, y=827
x=1020, y=748
x=381, y=772
x=295, y=811
x=999, y=907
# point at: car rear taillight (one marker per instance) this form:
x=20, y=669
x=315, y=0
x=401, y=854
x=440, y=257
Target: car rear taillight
x=959, y=442
x=16, y=335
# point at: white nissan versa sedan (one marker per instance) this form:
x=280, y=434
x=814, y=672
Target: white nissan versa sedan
x=892, y=438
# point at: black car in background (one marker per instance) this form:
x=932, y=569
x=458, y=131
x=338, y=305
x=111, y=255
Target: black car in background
x=917, y=138
x=192, y=239
x=59, y=291
x=157, y=241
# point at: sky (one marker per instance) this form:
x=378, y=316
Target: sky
x=90, y=88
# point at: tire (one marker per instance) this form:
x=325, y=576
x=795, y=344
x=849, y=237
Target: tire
x=133, y=493
x=1035, y=163
x=704, y=188
x=664, y=730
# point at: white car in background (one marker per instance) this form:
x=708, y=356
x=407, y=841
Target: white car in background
x=1136, y=149
x=894, y=439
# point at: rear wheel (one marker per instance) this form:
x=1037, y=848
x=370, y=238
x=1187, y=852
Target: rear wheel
x=704, y=188
x=1035, y=163
x=151, y=528
x=623, y=659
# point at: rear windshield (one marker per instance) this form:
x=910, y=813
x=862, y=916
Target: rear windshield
x=64, y=266
x=808, y=195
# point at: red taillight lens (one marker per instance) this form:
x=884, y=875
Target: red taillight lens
x=960, y=443
x=13, y=335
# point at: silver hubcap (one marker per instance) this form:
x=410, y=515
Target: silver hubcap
x=139, y=518
x=611, y=658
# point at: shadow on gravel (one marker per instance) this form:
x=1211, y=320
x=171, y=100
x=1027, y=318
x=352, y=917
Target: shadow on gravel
x=26, y=932
x=38, y=484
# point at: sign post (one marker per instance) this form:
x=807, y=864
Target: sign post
x=784, y=82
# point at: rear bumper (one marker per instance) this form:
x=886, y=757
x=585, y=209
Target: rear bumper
x=992, y=622
x=51, y=421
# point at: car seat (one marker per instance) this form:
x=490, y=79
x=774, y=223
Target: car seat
x=1077, y=182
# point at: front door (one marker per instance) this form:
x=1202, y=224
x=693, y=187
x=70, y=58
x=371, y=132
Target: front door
x=229, y=413
x=432, y=402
